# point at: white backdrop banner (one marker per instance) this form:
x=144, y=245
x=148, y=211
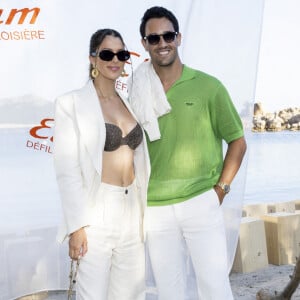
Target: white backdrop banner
x=44, y=53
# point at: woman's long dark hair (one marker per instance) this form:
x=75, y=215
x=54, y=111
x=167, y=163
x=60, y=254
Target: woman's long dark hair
x=97, y=39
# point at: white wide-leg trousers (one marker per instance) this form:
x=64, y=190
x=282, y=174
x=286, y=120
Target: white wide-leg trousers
x=114, y=266
x=197, y=225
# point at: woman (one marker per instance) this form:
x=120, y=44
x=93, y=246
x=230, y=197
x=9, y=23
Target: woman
x=102, y=169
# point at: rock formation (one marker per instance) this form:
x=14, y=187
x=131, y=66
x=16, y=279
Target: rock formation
x=286, y=119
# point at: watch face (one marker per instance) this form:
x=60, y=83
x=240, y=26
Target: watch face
x=226, y=188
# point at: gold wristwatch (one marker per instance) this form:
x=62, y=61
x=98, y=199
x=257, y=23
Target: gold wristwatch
x=225, y=187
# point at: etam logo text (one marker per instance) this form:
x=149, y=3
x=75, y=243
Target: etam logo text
x=41, y=133
x=20, y=17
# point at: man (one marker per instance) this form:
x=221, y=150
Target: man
x=189, y=177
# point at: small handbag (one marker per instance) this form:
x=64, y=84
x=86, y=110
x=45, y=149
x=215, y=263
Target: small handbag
x=72, y=276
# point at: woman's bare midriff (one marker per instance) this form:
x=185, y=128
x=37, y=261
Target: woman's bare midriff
x=117, y=166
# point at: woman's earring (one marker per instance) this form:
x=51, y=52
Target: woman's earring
x=95, y=72
x=124, y=74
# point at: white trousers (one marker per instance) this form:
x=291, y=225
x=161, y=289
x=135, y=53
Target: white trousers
x=114, y=266
x=196, y=225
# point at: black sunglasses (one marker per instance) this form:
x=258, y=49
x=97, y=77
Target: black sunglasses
x=153, y=39
x=108, y=55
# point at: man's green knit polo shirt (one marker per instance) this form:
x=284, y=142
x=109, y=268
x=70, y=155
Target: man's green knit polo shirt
x=188, y=158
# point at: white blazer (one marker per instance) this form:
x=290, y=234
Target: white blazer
x=79, y=138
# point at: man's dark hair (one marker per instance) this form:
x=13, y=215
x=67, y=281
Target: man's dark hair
x=158, y=12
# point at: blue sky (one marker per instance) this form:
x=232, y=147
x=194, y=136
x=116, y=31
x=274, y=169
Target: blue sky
x=278, y=78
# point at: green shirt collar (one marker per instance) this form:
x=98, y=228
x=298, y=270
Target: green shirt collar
x=187, y=74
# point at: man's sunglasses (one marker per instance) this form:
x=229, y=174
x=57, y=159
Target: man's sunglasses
x=108, y=55
x=154, y=39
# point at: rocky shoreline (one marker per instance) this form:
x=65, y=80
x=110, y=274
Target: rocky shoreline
x=285, y=119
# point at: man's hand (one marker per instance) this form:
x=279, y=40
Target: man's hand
x=220, y=193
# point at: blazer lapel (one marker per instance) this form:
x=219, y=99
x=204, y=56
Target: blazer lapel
x=91, y=123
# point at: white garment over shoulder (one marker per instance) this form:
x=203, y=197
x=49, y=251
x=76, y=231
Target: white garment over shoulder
x=147, y=98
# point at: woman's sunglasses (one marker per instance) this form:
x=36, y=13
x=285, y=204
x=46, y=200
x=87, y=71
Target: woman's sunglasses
x=154, y=39
x=108, y=55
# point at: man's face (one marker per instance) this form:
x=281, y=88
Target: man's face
x=163, y=53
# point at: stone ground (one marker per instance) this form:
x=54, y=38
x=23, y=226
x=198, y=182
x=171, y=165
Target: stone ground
x=273, y=278
x=244, y=286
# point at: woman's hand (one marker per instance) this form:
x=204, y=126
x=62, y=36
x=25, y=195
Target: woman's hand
x=78, y=244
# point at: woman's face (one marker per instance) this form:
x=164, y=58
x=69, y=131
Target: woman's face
x=109, y=69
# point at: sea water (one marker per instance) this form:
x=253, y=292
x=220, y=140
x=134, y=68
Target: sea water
x=273, y=169
x=29, y=193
